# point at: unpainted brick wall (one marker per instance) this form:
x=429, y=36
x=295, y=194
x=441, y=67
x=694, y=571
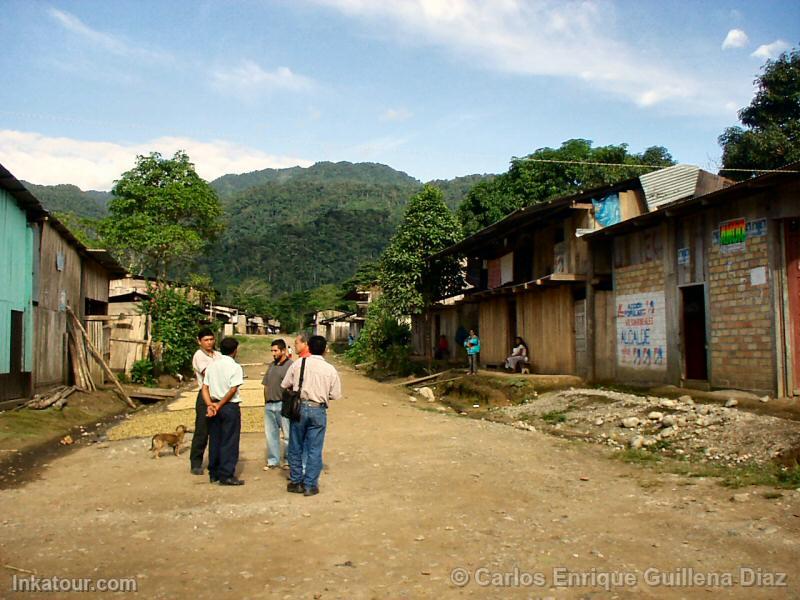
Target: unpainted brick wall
x=636, y=279
x=740, y=323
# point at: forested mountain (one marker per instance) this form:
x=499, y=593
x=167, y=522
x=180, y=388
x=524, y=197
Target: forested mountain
x=296, y=228
x=66, y=198
x=455, y=190
x=327, y=172
x=299, y=228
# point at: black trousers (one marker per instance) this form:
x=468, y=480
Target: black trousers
x=223, y=447
x=200, y=437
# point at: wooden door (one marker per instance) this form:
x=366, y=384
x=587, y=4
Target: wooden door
x=792, y=237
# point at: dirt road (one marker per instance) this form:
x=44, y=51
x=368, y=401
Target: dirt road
x=414, y=504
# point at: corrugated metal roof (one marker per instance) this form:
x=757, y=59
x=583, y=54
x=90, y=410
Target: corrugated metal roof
x=670, y=184
x=683, y=205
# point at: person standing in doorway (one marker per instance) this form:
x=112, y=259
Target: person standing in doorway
x=274, y=423
x=473, y=346
x=321, y=384
x=204, y=356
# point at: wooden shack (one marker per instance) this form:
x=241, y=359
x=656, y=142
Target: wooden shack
x=19, y=212
x=44, y=270
x=530, y=273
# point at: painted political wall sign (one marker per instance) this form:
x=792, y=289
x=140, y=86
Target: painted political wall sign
x=732, y=235
x=642, y=331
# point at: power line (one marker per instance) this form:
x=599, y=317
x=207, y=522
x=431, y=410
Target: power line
x=640, y=166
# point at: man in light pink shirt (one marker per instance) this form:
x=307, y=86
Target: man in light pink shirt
x=320, y=385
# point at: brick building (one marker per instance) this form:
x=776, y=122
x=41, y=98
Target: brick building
x=705, y=290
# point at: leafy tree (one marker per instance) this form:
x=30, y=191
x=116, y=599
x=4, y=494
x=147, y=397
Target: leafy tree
x=410, y=280
x=486, y=203
x=772, y=121
x=530, y=181
x=383, y=339
x=367, y=275
x=175, y=318
x=162, y=213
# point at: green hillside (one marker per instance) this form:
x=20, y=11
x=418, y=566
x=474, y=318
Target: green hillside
x=296, y=228
x=327, y=172
x=66, y=198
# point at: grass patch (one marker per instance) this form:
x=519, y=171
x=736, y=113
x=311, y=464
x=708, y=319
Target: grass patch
x=518, y=383
x=554, y=416
x=729, y=476
x=636, y=456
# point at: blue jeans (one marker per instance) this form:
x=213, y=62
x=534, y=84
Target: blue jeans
x=305, y=440
x=273, y=424
x=473, y=362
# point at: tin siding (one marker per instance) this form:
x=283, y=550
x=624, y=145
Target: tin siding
x=16, y=278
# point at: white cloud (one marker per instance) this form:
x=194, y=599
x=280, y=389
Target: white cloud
x=736, y=38
x=95, y=165
x=772, y=50
x=577, y=39
x=103, y=40
x=249, y=80
x=396, y=114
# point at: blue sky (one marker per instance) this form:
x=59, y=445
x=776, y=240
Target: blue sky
x=436, y=88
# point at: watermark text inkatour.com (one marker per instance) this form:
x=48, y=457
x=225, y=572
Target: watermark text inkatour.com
x=56, y=584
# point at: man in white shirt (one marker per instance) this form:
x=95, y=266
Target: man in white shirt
x=204, y=356
x=321, y=384
x=221, y=397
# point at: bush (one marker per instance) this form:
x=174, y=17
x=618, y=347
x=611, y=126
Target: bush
x=142, y=372
x=383, y=340
x=175, y=322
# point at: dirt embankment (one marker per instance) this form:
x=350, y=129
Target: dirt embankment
x=719, y=429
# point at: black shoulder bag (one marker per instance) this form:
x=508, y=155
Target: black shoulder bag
x=290, y=399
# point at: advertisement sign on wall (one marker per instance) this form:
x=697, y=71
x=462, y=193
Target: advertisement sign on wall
x=642, y=331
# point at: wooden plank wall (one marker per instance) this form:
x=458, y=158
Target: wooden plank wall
x=631, y=204
x=493, y=331
x=50, y=347
x=99, y=339
x=581, y=365
x=51, y=323
x=95, y=281
x=605, y=336
x=127, y=336
x=546, y=321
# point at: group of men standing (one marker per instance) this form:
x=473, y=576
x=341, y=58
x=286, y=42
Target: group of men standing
x=218, y=416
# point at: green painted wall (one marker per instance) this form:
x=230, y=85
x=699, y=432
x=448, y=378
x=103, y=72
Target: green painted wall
x=16, y=278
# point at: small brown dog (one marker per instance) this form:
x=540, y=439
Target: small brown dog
x=161, y=440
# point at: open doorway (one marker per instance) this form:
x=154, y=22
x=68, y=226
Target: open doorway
x=694, y=332
x=14, y=384
x=512, y=322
